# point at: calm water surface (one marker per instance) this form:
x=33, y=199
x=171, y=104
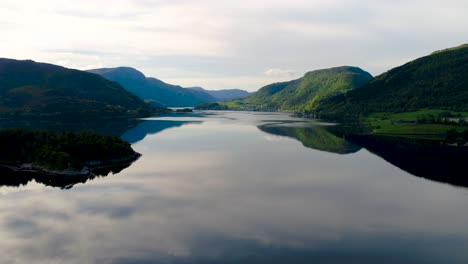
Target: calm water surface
x=238, y=188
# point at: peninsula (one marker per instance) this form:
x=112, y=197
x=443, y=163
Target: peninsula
x=62, y=154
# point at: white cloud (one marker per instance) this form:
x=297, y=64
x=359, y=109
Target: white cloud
x=279, y=72
x=213, y=40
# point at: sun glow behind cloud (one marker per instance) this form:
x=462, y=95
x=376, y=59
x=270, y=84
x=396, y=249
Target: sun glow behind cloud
x=227, y=44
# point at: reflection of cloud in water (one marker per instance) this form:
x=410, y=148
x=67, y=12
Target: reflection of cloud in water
x=135, y=134
x=273, y=138
x=216, y=193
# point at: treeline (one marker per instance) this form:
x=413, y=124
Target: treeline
x=444, y=118
x=211, y=106
x=60, y=150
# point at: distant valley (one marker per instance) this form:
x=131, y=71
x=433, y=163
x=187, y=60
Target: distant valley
x=427, y=97
x=437, y=81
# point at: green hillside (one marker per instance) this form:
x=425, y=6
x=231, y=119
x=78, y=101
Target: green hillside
x=436, y=81
x=451, y=49
x=28, y=88
x=300, y=95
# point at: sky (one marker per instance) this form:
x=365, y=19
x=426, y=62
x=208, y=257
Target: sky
x=220, y=44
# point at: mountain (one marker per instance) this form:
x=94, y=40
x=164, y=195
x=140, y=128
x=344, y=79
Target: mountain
x=303, y=94
x=153, y=89
x=28, y=88
x=436, y=81
x=160, y=92
x=224, y=95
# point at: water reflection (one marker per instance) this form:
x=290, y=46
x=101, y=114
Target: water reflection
x=223, y=192
x=422, y=158
x=132, y=130
x=151, y=127
x=315, y=137
x=101, y=126
x=427, y=159
x=17, y=179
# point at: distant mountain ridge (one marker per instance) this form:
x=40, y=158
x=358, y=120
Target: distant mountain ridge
x=303, y=94
x=32, y=88
x=224, y=95
x=163, y=93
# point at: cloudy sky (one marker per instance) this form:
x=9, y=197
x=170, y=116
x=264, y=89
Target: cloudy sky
x=229, y=44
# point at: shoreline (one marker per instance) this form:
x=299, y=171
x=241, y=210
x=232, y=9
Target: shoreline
x=87, y=170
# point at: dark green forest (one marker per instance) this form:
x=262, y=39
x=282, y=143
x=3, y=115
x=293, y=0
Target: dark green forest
x=61, y=150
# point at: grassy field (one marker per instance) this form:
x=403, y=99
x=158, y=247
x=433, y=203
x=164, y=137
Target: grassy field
x=405, y=124
x=412, y=116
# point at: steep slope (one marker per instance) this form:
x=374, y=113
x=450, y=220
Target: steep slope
x=437, y=81
x=153, y=89
x=31, y=88
x=303, y=94
x=224, y=95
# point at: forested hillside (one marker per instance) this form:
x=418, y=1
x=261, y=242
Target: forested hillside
x=436, y=81
x=304, y=94
x=28, y=88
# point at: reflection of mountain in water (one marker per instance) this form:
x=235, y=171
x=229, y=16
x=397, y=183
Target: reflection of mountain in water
x=17, y=179
x=426, y=159
x=115, y=127
x=149, y=127
x=129, y=130
x=315, y=137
